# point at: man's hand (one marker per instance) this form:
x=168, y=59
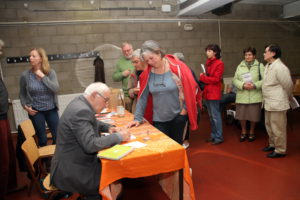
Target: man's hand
x=126, y=73
x=125, y=134
x=133, y=123
x=30, y=110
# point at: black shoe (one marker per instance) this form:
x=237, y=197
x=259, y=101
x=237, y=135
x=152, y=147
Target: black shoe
x=251, y=138
x=210, y=140
x=275, y=155
x=243, y=137
x=217, y=142
x=268, y=148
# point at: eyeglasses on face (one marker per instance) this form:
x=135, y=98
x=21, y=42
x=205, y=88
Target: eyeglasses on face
x=106, y=99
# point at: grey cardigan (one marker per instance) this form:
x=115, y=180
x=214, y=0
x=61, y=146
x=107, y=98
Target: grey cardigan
x=50, y=81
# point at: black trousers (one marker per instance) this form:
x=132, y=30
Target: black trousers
x=174, y=128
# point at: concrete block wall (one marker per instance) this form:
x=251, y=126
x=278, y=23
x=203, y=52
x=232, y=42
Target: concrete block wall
x=236, y=33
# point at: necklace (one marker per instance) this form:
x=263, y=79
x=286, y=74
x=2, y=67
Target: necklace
x=162, y=82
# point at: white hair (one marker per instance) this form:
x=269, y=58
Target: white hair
x=1, y=43
x=125, y=44
x=137, y=53
x=96, y=87
x=179, y=55
x=151, y=46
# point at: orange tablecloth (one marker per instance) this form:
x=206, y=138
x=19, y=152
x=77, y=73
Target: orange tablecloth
x=160, y=155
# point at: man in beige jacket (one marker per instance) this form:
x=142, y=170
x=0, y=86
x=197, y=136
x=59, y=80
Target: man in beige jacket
x=277, y=87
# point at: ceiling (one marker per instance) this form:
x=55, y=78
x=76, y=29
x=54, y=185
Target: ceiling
x=291, y=8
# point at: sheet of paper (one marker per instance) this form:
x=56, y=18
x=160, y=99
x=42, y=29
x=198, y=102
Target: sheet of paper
x=247, y=77
x=294, y=103
x=135, y=144
x=203, y=68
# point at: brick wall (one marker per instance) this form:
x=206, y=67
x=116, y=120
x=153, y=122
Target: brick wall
x=106, y=33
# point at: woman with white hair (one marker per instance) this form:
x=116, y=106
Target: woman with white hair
x=167, y=94
x=134, y=78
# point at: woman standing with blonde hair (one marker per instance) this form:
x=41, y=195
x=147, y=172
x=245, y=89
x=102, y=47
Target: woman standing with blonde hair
x=38, y=94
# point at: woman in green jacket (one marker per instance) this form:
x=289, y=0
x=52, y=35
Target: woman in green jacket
x=248, y=80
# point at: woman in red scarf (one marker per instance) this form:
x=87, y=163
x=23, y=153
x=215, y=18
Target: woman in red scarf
x=167, y=97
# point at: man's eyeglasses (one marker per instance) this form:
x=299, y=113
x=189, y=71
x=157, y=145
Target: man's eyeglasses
x=106, y=99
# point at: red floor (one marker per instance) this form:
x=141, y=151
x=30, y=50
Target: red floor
x=229, y=171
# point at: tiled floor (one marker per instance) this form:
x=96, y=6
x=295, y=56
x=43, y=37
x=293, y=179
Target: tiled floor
x=229, y=171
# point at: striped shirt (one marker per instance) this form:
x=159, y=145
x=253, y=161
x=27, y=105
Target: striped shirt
x=42, y=97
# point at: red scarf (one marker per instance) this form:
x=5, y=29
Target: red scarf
x=191, y=90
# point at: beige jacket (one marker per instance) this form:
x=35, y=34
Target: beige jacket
x=277, y=86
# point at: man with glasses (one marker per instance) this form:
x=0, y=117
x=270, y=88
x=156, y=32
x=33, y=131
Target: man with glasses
x=123, y=71
x=75, y=166
x=277, y=87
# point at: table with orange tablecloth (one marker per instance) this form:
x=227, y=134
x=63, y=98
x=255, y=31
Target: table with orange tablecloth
x=161, y=155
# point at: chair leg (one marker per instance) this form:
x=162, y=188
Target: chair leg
x=30, y=188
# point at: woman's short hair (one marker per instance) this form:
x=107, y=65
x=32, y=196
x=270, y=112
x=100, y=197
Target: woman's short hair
x=215, y=48
x=275, y=49
x=250, y=49
x=179, y=55
x=151, y=46
x=1, y=43
x=137, y=54
x=96, y=87
x=45, y=63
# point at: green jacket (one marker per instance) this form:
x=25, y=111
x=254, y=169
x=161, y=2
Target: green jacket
x=248, y=96
x=122, y=65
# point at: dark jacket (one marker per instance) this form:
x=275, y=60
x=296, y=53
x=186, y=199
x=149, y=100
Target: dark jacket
x=75, y=166
x=3, y=101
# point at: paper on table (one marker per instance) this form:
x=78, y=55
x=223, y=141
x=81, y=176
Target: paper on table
x=203, y=68
x=135, y=144
x=294, y=103
x=132, y=137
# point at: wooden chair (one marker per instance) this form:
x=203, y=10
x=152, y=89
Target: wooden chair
x=33, y=161
x=29, y=132
x=296, y=91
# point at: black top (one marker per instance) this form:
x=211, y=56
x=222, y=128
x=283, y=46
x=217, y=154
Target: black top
x=3, y=101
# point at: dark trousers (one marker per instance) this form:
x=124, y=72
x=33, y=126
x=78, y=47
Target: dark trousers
x=39, y=120
x=8, y=174
x=174, y=128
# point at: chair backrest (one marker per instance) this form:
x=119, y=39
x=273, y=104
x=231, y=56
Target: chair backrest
x=27, y=128
x=31, y=152
x=297, y=86
x=116, y=95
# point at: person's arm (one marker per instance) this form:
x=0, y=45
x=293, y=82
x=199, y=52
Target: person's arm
x=284, y=77
x=117, y=75
x=215, y=77
x=258, y=83
x=141, y=105
x=51, y=82
x=131, y=86
x=90, y=141
x=236, y=81
x=23, y=90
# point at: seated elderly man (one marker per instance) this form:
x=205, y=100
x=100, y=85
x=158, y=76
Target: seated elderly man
x=75, y=166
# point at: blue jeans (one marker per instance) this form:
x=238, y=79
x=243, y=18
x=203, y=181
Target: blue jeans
x=174, y=128
x=213, y=108
x=39, y=120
